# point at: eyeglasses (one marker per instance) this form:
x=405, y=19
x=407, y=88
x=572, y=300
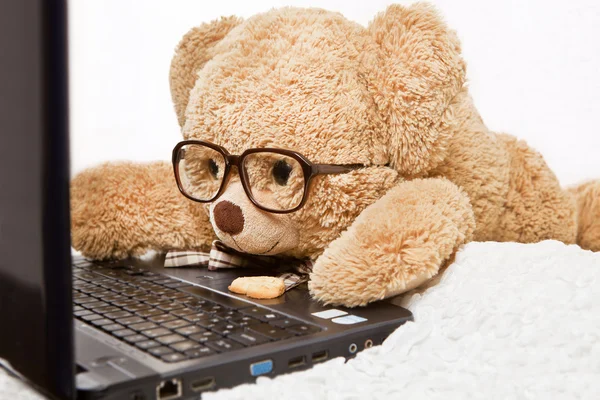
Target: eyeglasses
x=275, y=180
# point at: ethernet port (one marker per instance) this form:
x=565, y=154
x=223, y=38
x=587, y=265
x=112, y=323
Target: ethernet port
x=168, y=390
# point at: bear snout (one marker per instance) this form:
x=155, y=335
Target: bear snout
x=228, y=217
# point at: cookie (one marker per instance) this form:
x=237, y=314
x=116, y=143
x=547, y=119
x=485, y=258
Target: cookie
x=258, y=287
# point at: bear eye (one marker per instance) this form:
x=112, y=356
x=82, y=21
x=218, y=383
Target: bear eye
x=281, y=172
x=213, y=168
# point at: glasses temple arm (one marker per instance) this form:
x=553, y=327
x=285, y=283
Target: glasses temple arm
x=319, y=169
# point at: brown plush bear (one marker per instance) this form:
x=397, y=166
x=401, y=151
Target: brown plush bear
x=407, y=170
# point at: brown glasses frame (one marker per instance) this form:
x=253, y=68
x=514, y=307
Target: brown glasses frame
x=309, y=169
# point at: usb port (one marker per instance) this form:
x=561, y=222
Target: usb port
x=296, y=362
x=320, y=356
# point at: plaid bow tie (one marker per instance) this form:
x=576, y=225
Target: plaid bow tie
x=293, y=271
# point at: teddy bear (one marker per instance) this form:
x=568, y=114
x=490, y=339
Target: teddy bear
x=311, y=136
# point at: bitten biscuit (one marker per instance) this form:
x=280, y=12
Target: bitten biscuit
x=258, y=287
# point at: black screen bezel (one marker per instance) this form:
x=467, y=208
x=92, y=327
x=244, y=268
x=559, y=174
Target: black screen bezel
x=36, y=337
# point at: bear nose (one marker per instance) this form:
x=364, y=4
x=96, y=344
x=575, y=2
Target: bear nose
x=228, y=217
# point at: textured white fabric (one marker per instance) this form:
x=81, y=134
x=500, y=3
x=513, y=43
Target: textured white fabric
x=506, y=320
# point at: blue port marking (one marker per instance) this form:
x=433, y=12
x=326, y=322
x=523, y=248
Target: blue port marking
x=261, y=367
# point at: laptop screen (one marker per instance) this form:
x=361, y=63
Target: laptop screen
x=35, y=276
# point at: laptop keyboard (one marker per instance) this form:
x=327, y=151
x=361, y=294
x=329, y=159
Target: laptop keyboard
x=170, y=319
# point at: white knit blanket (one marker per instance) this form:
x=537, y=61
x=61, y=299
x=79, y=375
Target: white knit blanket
x=506, y=320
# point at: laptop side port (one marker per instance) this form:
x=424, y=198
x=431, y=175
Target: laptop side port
x=296, y=362
x=320, y=356
x=170, y=389
x=203, y=384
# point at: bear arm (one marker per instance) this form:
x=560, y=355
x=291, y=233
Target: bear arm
x=125, y=209
x=395, y=244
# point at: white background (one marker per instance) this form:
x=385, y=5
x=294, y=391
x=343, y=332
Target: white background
x=533, y=69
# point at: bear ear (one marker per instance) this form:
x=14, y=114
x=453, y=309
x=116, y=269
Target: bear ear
x=418, y=72
x=193, y=51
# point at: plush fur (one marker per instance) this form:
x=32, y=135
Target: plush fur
x=391, y=96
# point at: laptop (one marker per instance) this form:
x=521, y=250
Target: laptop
x=129, y=329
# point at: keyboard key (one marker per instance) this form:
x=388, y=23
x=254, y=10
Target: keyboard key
x=229, y=314
x=102, y=321
x=143, y=298
x=272, y=332
x=86, y=275
x=269, y=317
x=91, y=317
x=101, y=294
x=83, y=300
x=199, y=352
x=143, y=326
x=209, y=322
x=248, y=338
x=112, y=327
x=303, y=329
x=130, y=320
x=160, y=351
x=223, y=345
x=168, y=293
x=169, y=339
x=203, y=308
x=247, y=321
x=152, y=333
x=205, y=336
x=181, y=297
x=106, y=310
x=88, y=289
x=284, y=323
x=193, y=318
x=123, y=333
x=124, y=303
x=178, y=323
x=224, y=328
x=131, y=292
x=82, y=313
x=185, y=345
x=260, y=313
x=160, y=290
x=137, y=307
x=78, y=308
x=144, y=286
x=174, y=357
x=151, y=312
x=189, y=330
x=147, y=344
x=170, y=306
x=113, y=297
x=159, y=319
x=95, y=304
x=154, y=301
x=183, y=311
x=118, y=314
x=214, y=309
x=194, y=302
x=135, y=338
